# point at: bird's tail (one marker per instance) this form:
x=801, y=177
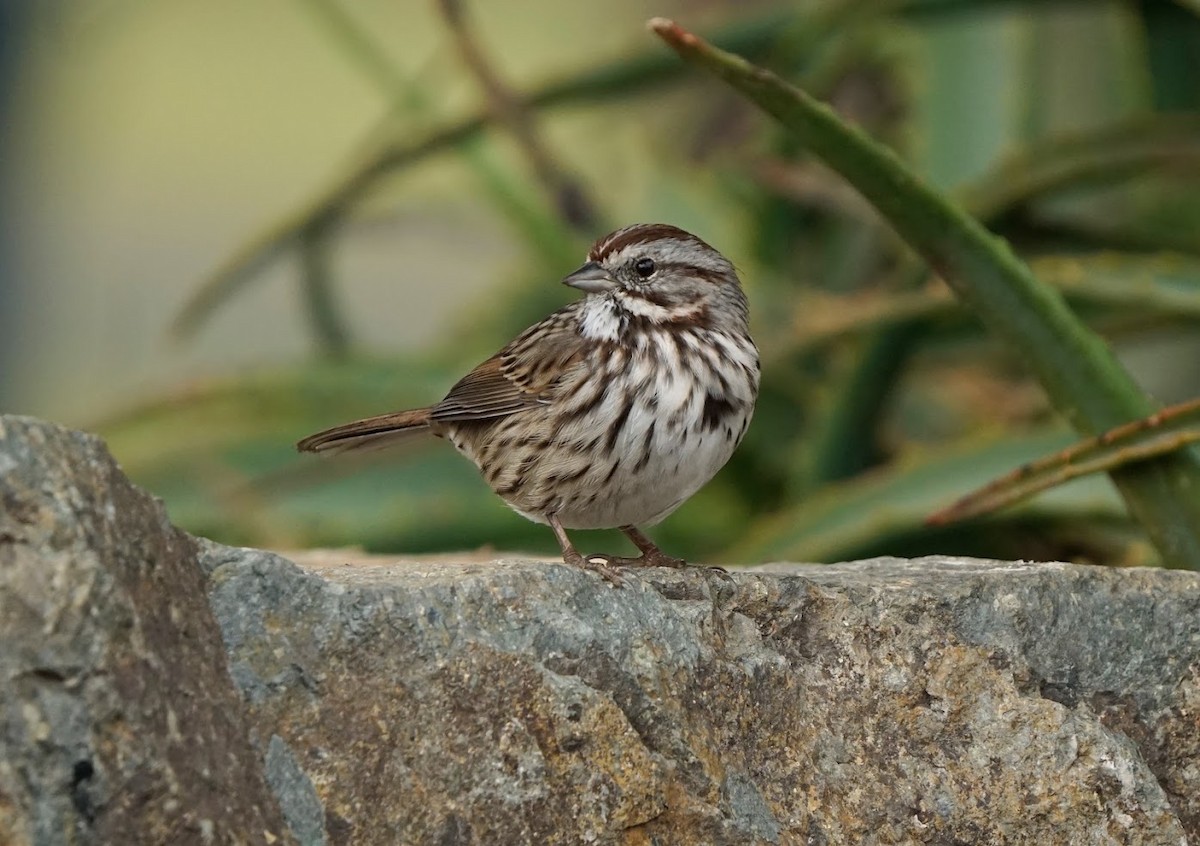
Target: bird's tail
x=371, y=433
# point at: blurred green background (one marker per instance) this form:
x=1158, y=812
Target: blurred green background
x=228, y=225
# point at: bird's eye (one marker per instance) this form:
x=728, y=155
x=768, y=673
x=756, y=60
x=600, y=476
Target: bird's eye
x=644, y=267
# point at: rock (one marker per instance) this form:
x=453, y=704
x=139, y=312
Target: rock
x=120, y=724
x=939, y=700
x=440, y=702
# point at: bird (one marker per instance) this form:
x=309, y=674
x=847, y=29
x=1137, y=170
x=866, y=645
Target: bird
x=612, y=411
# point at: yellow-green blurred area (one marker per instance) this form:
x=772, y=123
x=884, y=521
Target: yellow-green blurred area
x=227, y=225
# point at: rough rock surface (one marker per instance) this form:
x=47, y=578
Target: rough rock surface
x=436, y=702
x=933, y=701
x=119, y=724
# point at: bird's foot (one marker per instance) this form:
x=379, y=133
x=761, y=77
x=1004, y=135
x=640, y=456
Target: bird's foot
x=607, y=566
x=657, y=558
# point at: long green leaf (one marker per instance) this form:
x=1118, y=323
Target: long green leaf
x=1079, y=372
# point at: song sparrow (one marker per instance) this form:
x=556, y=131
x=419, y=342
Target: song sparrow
x=612, y=411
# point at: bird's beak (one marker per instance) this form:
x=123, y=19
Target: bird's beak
x=591, y=278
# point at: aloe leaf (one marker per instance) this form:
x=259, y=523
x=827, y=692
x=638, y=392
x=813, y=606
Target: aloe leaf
x=1079, y=372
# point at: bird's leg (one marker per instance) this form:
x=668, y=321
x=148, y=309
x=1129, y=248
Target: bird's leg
x=652, y=556
x=600, y=563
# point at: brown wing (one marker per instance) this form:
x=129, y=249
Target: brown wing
x=521, y=376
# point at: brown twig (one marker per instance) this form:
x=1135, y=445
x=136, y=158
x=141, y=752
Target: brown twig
x=509, y=110
x=1148, y=437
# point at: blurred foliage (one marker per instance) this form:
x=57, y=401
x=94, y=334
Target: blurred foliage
x=1071, y=129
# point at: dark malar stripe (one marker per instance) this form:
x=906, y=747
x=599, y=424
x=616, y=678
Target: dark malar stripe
x=686, y=316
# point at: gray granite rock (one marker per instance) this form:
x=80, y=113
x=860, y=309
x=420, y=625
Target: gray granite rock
x=888, y=701
x=119, y=721
x=387, y=701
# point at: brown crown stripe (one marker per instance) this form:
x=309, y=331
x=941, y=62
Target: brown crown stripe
x=640, y=234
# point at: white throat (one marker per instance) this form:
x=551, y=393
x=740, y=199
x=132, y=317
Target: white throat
x=599, y=319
